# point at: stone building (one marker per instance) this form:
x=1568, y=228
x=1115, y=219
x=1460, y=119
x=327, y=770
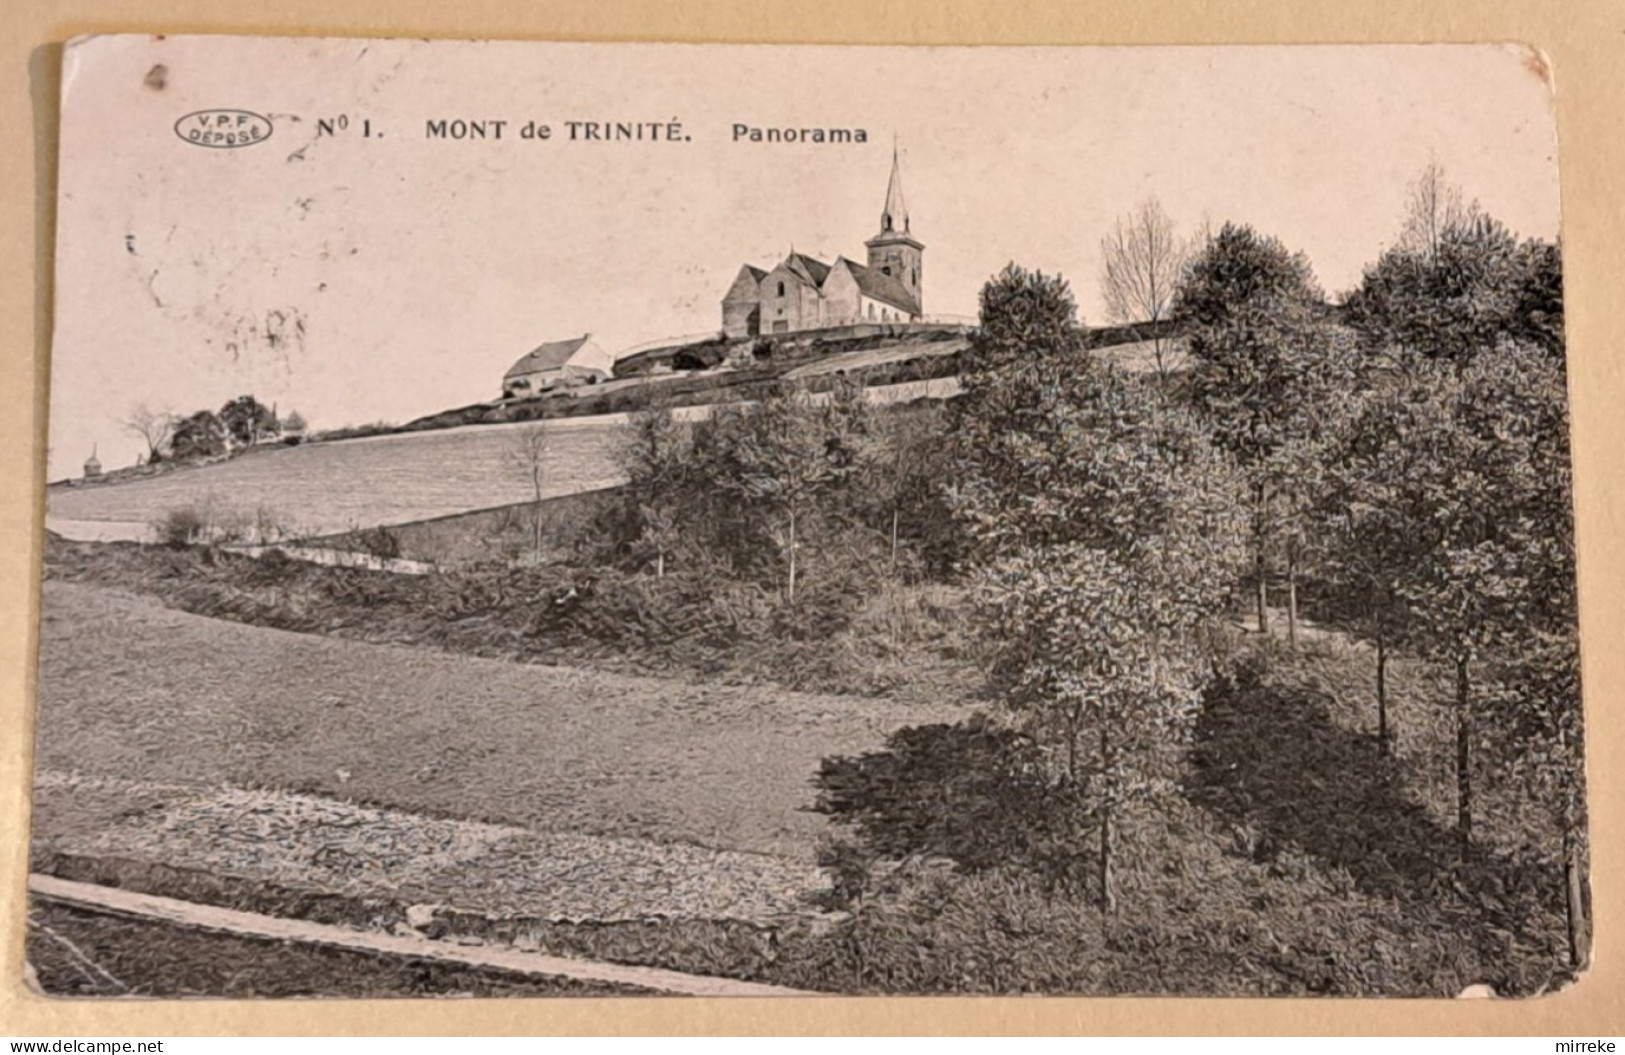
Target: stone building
x=803, y=293
x=558, y=363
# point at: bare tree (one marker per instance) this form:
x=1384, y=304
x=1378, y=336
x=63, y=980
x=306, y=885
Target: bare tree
x=527, y=450
x=1142, y=260
x=1434, y=209
x=154, y=427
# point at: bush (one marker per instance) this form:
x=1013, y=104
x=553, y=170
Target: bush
x=179, y=528
x=379, y=542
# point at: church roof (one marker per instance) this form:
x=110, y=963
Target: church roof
x=550, y=356
x=877, y=285
x=810, y=268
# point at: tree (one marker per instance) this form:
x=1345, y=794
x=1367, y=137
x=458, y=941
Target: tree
x=1024, y=315
x=1461, y=492
x=782, y=454
x=527, y=451
x=1142, y=260
x=153, y=427
x=1239, y=267
x=201, y=435
x=904, y=487
x=1102, y=526
x=246, y=421
x=1458, y=282
x=1435, y=211
x=1262, y=358
x=1369, y=521
x=654, y=454
x=1537, y=316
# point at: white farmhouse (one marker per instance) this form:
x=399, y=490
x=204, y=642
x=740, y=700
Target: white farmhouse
x=558, y=364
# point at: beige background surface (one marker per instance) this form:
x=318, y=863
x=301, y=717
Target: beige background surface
x=1583, y=43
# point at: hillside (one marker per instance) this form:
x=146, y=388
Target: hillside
x=460, y=460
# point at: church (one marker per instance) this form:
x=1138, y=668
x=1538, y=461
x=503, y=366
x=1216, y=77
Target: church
x=804, y=293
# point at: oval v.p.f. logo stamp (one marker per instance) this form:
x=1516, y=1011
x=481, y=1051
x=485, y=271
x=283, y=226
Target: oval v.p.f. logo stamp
x=224, y=129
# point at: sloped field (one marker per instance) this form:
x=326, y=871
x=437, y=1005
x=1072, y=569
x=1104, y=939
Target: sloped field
x=325, y=488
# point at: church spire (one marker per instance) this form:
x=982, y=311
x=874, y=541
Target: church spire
x=895, y=216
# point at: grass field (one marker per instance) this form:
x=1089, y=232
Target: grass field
x=323, y=488
x=132, y=690
x=401, y=478
x=1295, y=858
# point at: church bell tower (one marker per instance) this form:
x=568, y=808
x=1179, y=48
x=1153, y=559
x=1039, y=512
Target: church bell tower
x=894, y=250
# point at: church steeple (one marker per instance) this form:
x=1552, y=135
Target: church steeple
x=894, y=253
x=894, y=219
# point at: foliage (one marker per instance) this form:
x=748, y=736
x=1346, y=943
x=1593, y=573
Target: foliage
x=181, y=527
x=1458, y=282
x=763, y=486
x=1264, y=359
x=246, y=420
x=379, y=542
x=201, y=435
x=1104, y=528
x=904, y=494
x=1457, y=536
x=1238, y=268
x=1481, y=287
x=1024, y=315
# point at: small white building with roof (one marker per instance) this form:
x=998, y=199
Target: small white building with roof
x=556, y=364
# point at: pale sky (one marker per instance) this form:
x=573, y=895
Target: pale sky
x=420, y=269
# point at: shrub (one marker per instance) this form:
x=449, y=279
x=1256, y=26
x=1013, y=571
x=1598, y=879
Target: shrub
x=182, y=527
x=379, y=542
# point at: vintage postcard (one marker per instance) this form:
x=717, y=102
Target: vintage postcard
x=584, y=519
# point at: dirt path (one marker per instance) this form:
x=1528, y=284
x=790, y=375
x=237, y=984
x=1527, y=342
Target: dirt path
x=133, y=691
x=307, y=842
x=214, y=919
x=74, y=952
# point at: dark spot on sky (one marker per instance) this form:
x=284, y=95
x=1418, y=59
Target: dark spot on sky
x=157, y=77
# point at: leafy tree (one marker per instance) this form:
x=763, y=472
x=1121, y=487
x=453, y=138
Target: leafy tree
x=1024, y=315
x=1458, y=282
x=903, y=491
x=1460, y=492
x=1263, y=356
x=1537, y=317
x=1369, y=518
x=1102, y=527
x=655, y=454
x=1142, y=260
x=246, y=420
x=1237, y=268
x=1449, y=306
x=784, y=453
x=201, y=435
